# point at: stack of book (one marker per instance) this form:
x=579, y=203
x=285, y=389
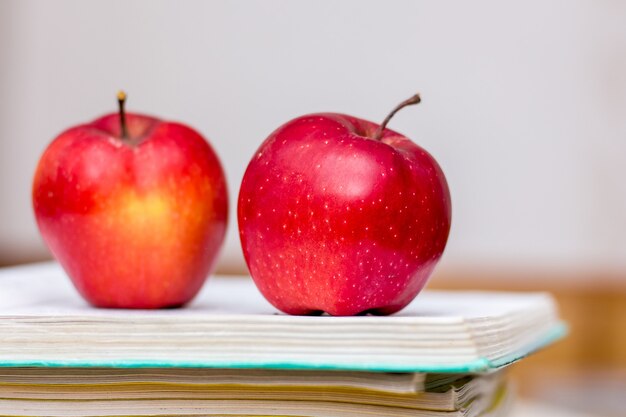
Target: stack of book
x=232, y=353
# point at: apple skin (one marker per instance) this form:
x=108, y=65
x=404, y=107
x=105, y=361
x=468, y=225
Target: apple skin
x=135, y=223
x=333, y=221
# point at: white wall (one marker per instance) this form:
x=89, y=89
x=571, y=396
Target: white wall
x=524, y=105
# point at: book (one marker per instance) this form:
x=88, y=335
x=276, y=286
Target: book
x=229, y=325
x=44, y=322
x=201, y=391
x=230, y=353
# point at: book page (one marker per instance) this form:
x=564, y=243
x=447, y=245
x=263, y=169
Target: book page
x=45, y=290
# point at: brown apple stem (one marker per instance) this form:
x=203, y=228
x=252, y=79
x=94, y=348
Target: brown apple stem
x=408, y=102
x=121, y=100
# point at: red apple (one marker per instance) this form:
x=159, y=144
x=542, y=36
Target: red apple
x=134, y=208
x=340, y=215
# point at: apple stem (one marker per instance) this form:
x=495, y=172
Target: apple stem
x=121, y=100
x=408, y=102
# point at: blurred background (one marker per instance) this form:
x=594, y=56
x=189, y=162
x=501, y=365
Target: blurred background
x=524, y=107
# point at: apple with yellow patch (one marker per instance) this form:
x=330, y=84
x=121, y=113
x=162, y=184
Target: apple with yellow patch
x=134, y=208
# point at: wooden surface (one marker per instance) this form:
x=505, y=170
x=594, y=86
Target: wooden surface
x=537, y=409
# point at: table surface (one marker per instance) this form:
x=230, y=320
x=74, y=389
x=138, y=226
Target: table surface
x=533, y=409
